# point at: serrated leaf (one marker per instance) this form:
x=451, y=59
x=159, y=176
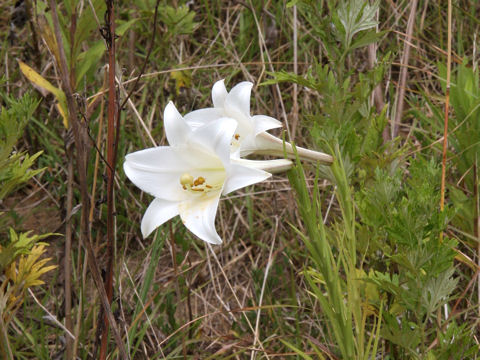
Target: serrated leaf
x=437, y=290
x=367, y=38
x=355, y=16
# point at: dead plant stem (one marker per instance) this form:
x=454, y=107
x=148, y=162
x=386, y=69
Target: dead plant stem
x=447, y=103
x=445, y=125
x=476, y=220
x=111, y=125
x=81, y=154
x=404, y=70
x=295, y=71
x=67, y=264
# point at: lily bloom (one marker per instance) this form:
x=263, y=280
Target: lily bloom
x=188, y=177
x=250, y=135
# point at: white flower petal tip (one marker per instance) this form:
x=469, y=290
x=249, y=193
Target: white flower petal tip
x=239, y=98
x=264, y=123
x=176, y=129
x=243, y=175
x=199, y=218
x=219, y=93
x=158, y=212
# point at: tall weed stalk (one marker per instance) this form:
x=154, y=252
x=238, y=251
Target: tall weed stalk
x=333, y=276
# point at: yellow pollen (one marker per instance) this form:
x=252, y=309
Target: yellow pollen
x=186, y=179
x=236, y=136
x=196, y=185
x=199, y=181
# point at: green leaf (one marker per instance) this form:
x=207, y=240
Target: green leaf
x=302, y=354
x=367, y=38
x=122, y=28
x=88, y=59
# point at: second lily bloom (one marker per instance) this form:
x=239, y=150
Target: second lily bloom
x=251, y=135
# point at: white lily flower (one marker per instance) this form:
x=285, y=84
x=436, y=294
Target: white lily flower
x=236, y=105
x=250, y=135
x=188, y=177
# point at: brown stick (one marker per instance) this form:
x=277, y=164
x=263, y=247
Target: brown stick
x=295, y=71
x=476, y=218
x=112, y=103
x=447, y=103
x=81, y=140
x=403, y=70
x=445, y=126
x=67, y=260
x=68, y=234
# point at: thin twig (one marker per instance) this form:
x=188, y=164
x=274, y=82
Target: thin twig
x=152, y=42
x=137, y=114
x=51, y=316
x=262, y=291
x=476, y=218
x=111, y=124
x=447, y=103
x=277, y=87
x=97, y=153
x=234, y=293
x=67, y=260
x=445, y=127
x=403, y=71
x=295, y=71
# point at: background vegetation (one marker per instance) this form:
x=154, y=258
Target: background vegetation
x=352, y=261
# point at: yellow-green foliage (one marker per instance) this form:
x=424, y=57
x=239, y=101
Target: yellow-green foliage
x=21, y=267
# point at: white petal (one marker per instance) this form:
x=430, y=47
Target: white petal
x=240, y=176
x=266, y=141
x=238, y=99
x=199, y=217
x=272, y=166
x=216, y=137
x=263, y=123
x=157, y=171
x=176, y=129
x=200, y=117
x=219, y=93
x=158, y=212
x=248, y=145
